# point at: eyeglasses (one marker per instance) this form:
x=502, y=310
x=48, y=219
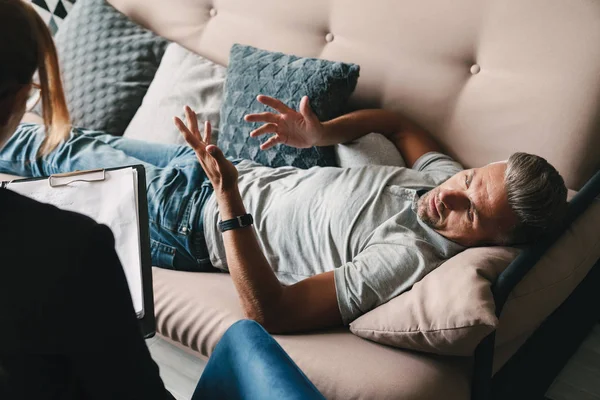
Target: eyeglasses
x=35, y=95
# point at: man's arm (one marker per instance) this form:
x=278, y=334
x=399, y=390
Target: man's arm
x=306, y=305
x=302, y=128
x=411, y=140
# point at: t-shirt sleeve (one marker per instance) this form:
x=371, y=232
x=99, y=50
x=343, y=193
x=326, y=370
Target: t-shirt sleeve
x=375, y=276
x=437, y=166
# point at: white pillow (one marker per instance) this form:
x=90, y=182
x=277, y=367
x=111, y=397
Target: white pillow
x=372, y=149
x=182, y=78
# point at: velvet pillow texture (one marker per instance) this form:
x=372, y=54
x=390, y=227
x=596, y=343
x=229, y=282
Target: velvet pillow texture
x=251, y=72
x=107, y=65
x=183, y=77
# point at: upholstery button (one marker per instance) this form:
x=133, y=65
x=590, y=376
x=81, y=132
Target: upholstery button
x=213, y=12
x=329, y=37
x=475, y=69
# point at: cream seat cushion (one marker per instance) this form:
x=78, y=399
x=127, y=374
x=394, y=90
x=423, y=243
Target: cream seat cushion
x=195, y=309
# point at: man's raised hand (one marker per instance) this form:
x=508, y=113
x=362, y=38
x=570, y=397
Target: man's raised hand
x=222, y=173
x=296, y=129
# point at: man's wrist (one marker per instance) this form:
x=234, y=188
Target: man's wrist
x=324, y=134
x=230, y=203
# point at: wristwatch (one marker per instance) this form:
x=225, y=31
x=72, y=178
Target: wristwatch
x=235, y=223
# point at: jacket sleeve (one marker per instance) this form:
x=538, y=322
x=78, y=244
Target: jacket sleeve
x=108, y=353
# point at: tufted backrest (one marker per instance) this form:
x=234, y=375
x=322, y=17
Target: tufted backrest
x=485, y=77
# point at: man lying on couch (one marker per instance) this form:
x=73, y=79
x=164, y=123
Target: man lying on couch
x=330, y=244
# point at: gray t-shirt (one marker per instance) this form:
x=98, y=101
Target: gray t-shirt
x=359, y=222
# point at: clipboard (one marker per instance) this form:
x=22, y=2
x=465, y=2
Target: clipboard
x=147, y=318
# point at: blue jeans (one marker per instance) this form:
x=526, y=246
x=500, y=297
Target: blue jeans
x=249, y=364
x=177, y=186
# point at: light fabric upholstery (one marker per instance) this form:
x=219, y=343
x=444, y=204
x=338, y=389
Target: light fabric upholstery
x=182, y=78
x=487, y=78
x=341, y=365
x=370, y=149
x=452, y=309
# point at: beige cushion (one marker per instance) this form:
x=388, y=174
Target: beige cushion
x=195, y=309
x=452, y=308
x=487, y=78
x=448, y=312
x=182, y=78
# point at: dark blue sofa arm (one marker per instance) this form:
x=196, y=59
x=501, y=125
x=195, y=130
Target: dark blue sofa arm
x=249, y=364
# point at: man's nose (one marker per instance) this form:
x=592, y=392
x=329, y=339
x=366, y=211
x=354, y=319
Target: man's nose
x=454, y=199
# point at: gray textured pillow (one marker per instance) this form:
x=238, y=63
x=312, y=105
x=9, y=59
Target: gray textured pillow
x=107, y=65
x=182, y=78
x=252, y=72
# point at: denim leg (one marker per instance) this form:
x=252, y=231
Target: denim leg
x=157, y=154
x=249, y=364
x=176, y=193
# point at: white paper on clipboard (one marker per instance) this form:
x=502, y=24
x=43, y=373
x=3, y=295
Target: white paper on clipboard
x=112, y=201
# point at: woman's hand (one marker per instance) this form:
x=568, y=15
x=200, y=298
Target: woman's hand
x=222, y=173
x=296, y=129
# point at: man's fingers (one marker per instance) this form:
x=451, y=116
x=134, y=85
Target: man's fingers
x=274, y=103
x=192, y=120
x=207, y=132
x=217, y=155
x=306, y=110
x=272, y=141
x=261, y=117
x=266, y=128
x=189, y=137
x=184, y=130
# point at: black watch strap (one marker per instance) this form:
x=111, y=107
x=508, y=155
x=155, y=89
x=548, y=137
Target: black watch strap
x=235, y=223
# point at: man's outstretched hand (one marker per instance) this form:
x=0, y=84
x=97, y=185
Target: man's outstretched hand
x=292, y=128
x=222, y=173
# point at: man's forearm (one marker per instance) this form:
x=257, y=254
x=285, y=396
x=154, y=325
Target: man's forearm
x=359, y=123
x=257, y=286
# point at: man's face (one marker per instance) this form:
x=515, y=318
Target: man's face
x=471, y=208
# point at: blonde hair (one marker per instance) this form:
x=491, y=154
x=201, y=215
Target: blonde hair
x=27, y=45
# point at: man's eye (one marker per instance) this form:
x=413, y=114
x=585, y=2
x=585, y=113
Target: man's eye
x=467, y=181
x=470, y=214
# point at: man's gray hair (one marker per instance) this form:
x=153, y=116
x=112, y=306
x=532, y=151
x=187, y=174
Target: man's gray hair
x=537, y=195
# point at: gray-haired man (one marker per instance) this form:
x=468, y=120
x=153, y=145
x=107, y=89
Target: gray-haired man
x=329, y=244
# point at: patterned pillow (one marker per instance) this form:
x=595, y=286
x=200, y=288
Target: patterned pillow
x=107, y=63
x=53, y=12
x=288, y=78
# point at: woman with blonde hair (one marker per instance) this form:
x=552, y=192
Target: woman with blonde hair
x=68, y=328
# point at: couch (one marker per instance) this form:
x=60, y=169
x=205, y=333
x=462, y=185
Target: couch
x=486, y=78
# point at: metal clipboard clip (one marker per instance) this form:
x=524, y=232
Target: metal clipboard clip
x=92, y=175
